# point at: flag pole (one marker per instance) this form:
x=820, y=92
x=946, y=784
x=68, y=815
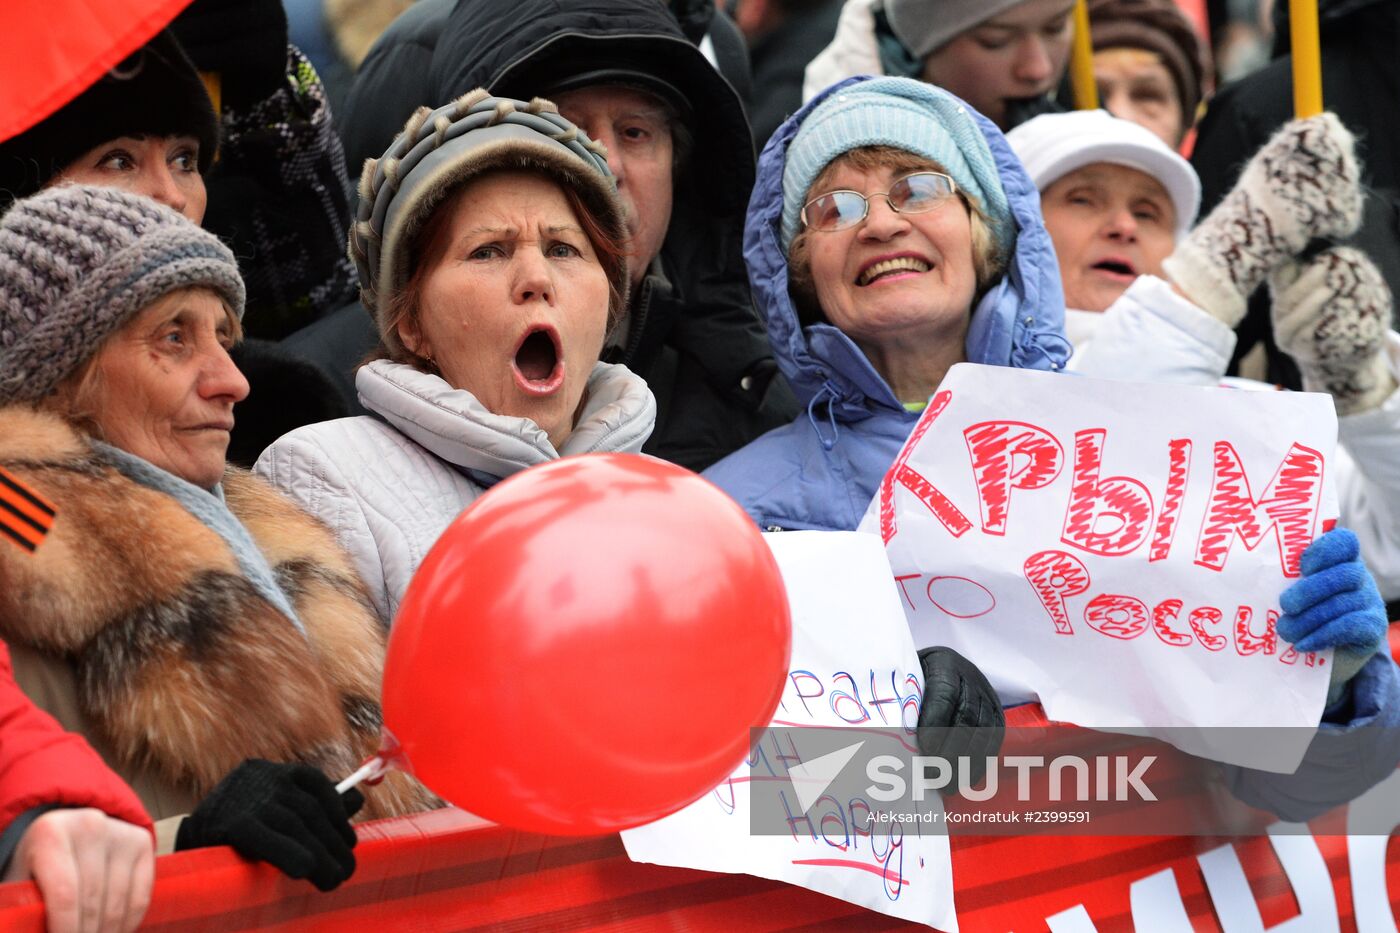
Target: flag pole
x=1081, y=61
x=1307, y=58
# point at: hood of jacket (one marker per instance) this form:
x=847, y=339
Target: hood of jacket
x=517, y=47
x=617, y=416
x=1019, y=321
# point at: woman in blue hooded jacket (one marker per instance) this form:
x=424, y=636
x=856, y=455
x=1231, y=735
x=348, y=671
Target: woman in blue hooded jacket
x=892, y=233
x=855, y=343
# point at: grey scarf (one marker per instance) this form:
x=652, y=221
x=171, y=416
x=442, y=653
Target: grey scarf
x=209, y=509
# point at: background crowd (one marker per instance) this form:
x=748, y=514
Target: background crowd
x=242, y=395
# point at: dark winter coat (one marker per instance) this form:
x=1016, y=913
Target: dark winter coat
x=280, y=196
x=1362, y=85
x=695, y=337
x=701, y=20
x=779, y=59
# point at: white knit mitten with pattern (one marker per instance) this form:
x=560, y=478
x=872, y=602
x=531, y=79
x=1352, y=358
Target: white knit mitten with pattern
x=1303, y=183
x=1331, y=314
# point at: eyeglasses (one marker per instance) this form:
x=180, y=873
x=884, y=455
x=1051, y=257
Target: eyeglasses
x=843, y=209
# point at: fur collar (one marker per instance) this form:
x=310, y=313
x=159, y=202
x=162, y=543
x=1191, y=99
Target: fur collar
x=181, y=666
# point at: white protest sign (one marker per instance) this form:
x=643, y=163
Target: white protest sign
x=850, y=642
x=1117, y=550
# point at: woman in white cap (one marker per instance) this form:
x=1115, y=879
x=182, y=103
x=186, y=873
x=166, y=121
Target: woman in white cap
x=1115, y=200
x=489, y=250
x=1150, y=300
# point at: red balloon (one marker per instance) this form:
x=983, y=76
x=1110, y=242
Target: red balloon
x=587, y=646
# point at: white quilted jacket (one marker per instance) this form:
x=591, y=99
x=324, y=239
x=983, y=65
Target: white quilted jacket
x=389, y=488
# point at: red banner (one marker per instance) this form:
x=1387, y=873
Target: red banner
x=448, y=871
x=53, y=50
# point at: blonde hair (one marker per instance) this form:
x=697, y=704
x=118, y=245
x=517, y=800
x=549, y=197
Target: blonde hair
x=988, y=263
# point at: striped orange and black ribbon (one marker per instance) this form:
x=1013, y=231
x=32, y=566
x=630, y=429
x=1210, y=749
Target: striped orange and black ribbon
x=25, y=517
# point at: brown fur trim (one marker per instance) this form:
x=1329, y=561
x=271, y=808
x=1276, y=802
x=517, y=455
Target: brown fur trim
x=332, y=602
x=26, y=432
x=184, y=669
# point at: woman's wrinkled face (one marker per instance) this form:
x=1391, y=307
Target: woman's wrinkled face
x=893, y=276
x=164, y=386
x=515, y=308
x=1017, y=54
x=1110, y=224
x=163, y=168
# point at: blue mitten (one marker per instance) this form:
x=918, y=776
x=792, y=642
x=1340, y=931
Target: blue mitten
x=1335, y=604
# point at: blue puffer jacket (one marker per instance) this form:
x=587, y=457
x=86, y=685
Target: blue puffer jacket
x=821, y=471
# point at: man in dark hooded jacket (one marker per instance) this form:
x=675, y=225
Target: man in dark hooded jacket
x=627, y=74
x=1361, y=84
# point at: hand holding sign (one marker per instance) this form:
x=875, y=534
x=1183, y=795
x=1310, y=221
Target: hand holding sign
x=960, y=714
x=587, y=646
x=1335, y=605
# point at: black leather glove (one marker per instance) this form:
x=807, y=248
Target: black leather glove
x=960, y=715
x=284, y=814
x=243, y=41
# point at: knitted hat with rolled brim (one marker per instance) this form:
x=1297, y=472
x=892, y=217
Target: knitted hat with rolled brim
x=924, y=26
x=77, y=262
x=155, y=91
x=905, y=114
x=1054, y=144
x=441, y=150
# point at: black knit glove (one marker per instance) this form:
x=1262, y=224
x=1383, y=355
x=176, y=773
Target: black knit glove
x=960, y=715
x=286, y=815
x=243, y=41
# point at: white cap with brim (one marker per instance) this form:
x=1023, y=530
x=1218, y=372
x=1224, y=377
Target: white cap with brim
x=1055, y=144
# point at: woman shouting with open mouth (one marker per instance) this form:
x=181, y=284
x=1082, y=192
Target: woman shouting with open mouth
x=490, y=248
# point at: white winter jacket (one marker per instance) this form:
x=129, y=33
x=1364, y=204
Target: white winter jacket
x=853, y=50
x=1152, y=334
x=388, y=488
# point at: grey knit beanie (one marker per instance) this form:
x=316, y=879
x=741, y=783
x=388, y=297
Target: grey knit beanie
x=924, y=26
x=76, y=262
x=437, y=152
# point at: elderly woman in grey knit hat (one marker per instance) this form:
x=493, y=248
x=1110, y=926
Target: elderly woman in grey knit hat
x=202, y=633
x=489, y=250
x=1004, y=57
